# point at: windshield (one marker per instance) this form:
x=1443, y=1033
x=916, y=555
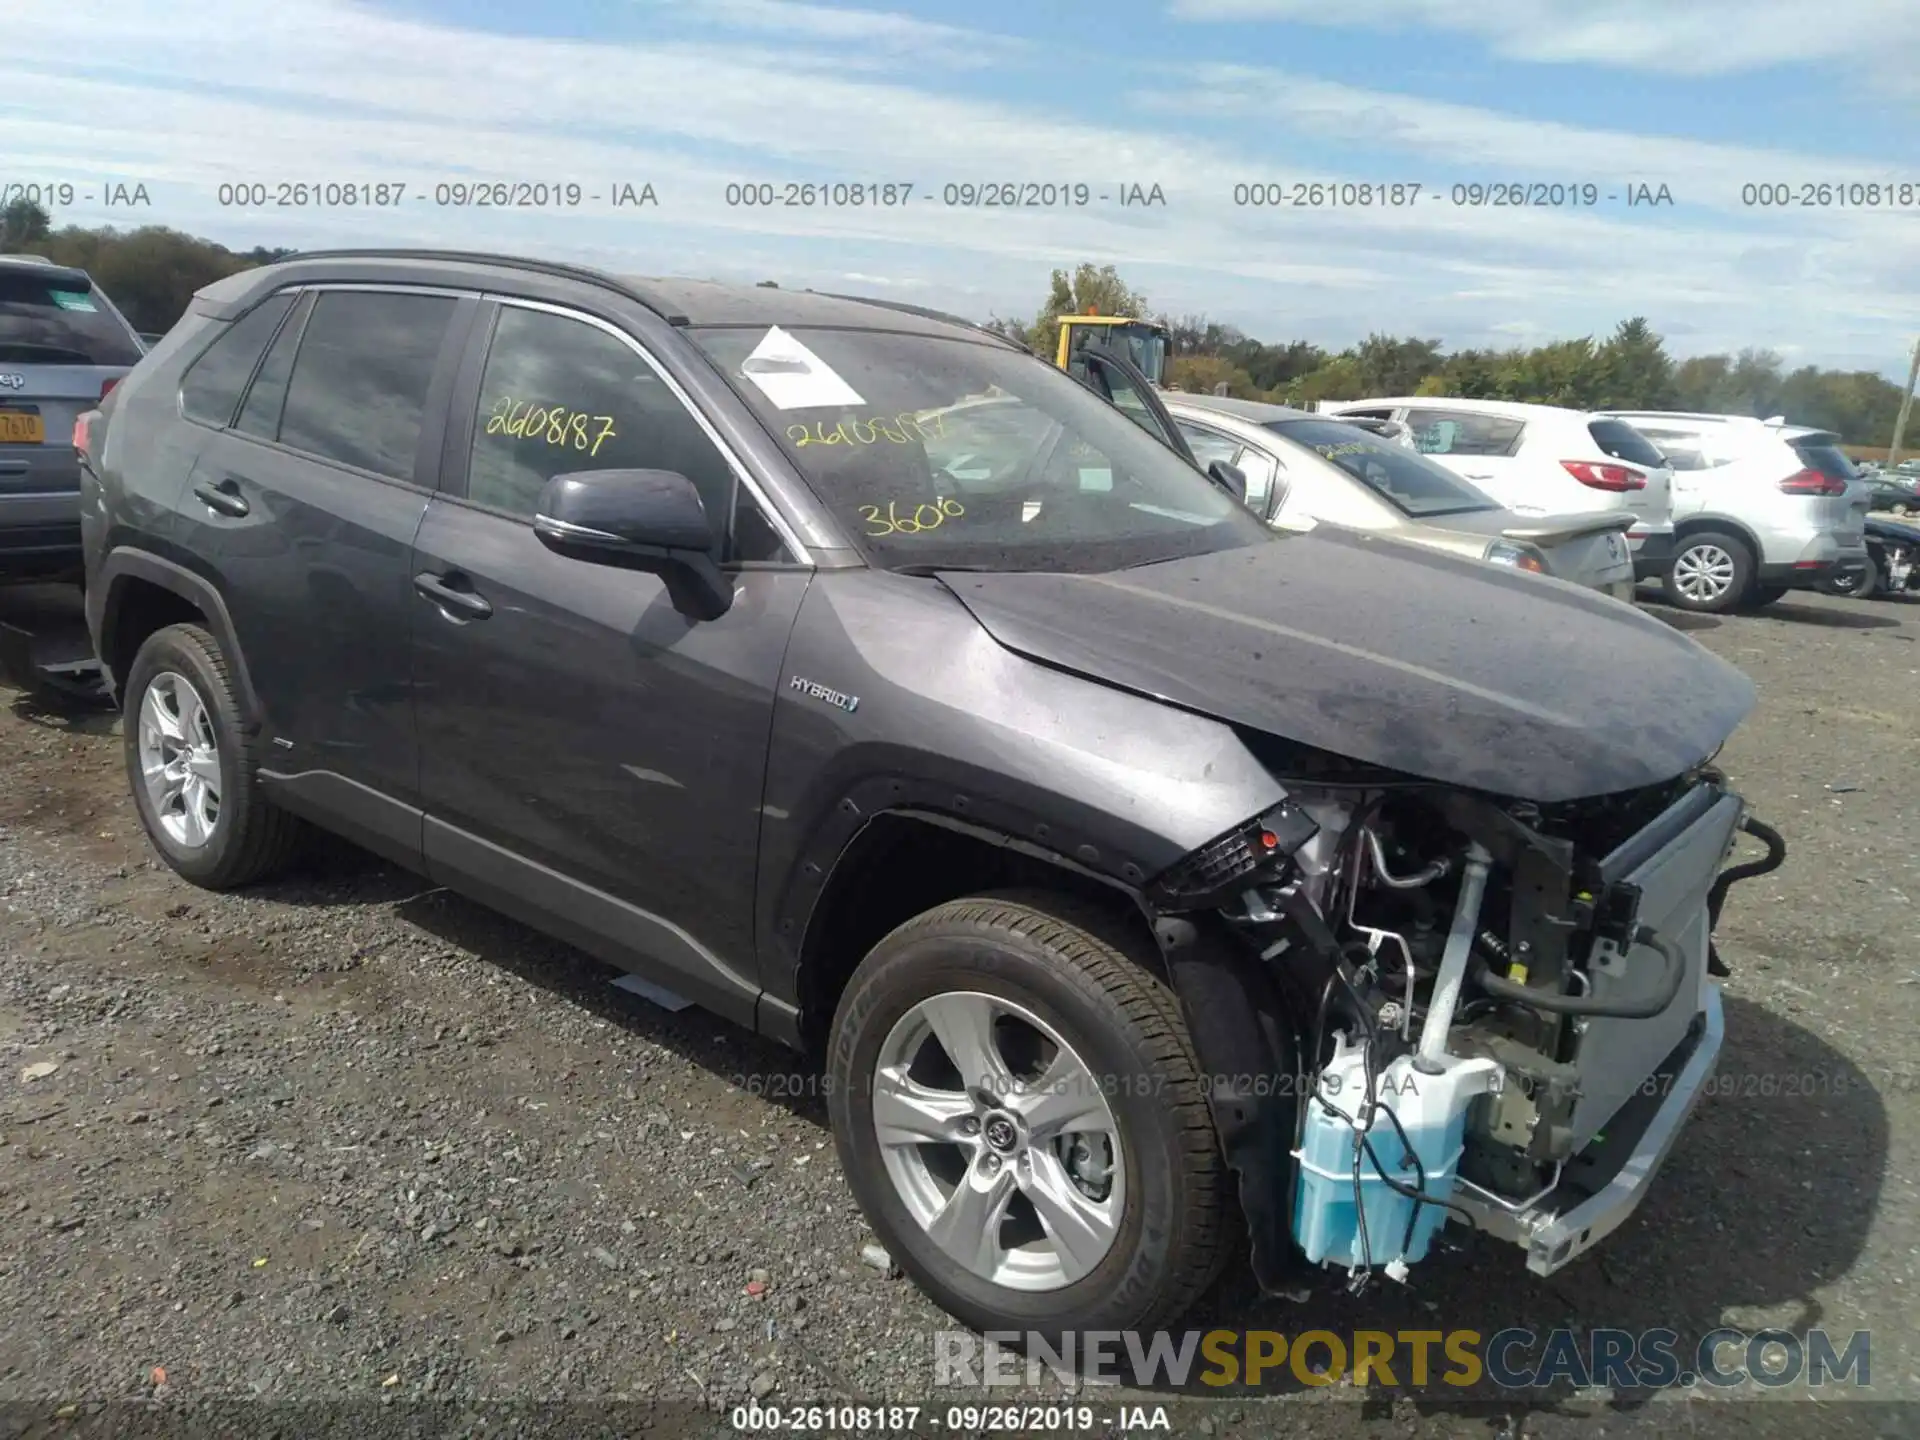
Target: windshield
x=1404, y=478
x=947, y=453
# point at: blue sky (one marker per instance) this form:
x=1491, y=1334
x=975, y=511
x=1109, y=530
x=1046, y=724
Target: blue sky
x=1705, y=97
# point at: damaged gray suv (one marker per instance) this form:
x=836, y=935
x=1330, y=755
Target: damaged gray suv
x=1144, y=877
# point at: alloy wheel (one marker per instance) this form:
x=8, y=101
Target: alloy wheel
x=179, y=759
x=1703, y=573
x=999, y=1141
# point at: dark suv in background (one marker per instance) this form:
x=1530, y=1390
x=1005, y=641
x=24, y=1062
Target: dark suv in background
x=63, y=347
x=858, y=675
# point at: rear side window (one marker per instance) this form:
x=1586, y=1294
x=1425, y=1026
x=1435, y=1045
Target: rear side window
x=60, y=320
x=1460, y=432
x=1680, y=450
x=1621, y=441
x=213, y=383
x=260, y=415
x=359, y=389
x=1823, y=453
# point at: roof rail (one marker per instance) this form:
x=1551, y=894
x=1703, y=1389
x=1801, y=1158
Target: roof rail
x=660, y=306
x=923, y=311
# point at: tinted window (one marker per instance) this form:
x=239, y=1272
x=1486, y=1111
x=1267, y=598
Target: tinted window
x=1623, y=442
x=60, y=320
x=260, y=415
x=213, y=383
x=561, y=395
x=1404, y=479
x=1073, y=484
x=359, y=387
x=1454, y=432
x=1825, y=455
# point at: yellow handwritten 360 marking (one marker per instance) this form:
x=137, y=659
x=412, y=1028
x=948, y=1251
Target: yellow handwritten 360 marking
x=893, y=523
x=895, y=429
x=555, y=424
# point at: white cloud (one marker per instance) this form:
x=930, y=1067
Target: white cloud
x=852, y=31
x=1673, y=37
x=330, y=90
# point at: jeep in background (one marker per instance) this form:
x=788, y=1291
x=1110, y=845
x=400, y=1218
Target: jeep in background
x=63, y=347
x=863, y=678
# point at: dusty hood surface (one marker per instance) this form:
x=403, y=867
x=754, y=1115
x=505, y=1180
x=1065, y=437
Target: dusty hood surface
x=1442, y=668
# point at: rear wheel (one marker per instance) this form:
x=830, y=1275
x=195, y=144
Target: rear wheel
x=191, y=764
x=1019, y=1111
x=1711, y=572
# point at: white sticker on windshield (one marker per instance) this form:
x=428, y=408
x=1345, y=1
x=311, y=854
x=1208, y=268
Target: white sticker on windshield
x=793, y=377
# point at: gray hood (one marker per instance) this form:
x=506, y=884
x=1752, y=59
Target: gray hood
x=1438, y=667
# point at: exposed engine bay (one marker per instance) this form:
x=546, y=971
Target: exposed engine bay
x=1508, y=1002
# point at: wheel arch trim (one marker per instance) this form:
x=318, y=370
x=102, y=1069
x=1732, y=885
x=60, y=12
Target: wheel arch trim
x=106, y=600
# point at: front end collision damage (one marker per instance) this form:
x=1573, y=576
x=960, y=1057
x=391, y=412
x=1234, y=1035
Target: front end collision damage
x=1543, y=971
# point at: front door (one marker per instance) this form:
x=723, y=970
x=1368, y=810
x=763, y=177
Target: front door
x=591, y=759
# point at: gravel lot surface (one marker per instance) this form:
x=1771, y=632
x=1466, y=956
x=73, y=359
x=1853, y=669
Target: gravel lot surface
x=347, y=1138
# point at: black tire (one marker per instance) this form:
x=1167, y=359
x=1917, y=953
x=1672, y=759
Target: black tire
x=1857, y=584
x=1697, y=551
x=250, y=838
x=1765, y=595
x=1072, y=966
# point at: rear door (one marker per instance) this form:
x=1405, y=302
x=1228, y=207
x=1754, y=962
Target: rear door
x=62, y=347
x=308, y=504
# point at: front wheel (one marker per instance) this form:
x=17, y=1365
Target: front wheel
x=1020, y=1113
x=1711, y=572
x=1856, y=584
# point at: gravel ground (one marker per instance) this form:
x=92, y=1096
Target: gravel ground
x=346, y=1139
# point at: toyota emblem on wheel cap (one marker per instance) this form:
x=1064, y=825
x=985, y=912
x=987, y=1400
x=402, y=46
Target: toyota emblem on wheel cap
x=1000, y=1133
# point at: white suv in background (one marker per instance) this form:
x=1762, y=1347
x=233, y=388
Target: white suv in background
x=1541, y=459
x=1761, y=507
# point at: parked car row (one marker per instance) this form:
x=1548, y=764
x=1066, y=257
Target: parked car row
x=1727, y=511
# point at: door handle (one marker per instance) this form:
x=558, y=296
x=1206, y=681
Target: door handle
x=224, y=498
x=451, y=596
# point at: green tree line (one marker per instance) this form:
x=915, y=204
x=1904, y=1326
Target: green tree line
x=1629, y=369
x=152, y=272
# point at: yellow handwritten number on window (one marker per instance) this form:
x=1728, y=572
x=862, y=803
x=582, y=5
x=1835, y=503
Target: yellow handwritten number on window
x=923, y=518
x=555, y=425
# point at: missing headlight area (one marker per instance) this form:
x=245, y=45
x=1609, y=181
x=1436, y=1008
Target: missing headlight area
x=1508, y=1005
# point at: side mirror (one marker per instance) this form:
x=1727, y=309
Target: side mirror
x=1230, y=478
x=650, y=520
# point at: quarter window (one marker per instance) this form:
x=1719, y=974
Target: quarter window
x=1460, y=432
x=358, y=394
x=267, y=396
x=559, y=395
x=213, y=383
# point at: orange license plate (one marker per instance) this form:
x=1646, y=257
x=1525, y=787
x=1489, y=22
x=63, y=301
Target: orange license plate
x=19, y=428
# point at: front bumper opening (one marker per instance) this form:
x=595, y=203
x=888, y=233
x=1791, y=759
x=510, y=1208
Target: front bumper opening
x=1601, y=1186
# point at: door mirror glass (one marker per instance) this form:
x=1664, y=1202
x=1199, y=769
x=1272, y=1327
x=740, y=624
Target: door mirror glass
x=651, y=520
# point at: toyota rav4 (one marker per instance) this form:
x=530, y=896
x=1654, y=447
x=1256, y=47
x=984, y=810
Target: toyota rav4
x=1144, y=876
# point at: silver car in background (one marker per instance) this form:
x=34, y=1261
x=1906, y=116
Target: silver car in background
x=1303, y=467
x=1760, y=507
